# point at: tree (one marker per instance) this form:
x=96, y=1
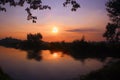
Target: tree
x=34, y=5
x=110, y=32
x=83, y=39
x=34, y=37
x=113, y=28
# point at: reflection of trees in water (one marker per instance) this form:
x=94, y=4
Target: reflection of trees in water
x=34, y=54
x=78, y=49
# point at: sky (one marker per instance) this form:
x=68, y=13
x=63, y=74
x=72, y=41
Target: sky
x=90, y=21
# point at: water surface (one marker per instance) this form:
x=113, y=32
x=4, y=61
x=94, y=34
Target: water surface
x=44, y=65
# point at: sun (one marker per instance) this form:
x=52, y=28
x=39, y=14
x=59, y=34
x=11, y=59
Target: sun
x=55, y=30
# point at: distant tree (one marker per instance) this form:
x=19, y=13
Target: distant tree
x=34, y=5
x=34, y=37
x=83, y=39
x=113, y=28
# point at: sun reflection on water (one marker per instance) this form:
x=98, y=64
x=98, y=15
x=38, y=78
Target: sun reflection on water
x=55, y=55
x=47, y=55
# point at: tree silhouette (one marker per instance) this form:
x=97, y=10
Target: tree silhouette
x=83, y=39
x=34, y=37
x=110, y=32
x=34, y=5
x=113, y=28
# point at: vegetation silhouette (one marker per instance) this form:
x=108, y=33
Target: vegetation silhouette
x=10, y=42
x=33, y=42
x=78, y=49
x=35, y=5
x=110, y=71
x=4, y=76
x=34, y=37
x=112, y=32
x=83, y=49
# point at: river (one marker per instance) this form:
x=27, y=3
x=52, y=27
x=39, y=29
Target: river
x=45, y=65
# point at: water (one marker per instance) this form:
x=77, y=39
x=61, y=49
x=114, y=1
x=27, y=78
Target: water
x=44, y=65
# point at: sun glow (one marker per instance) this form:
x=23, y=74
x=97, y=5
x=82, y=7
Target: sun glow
x=55, y=55
x=55, y=30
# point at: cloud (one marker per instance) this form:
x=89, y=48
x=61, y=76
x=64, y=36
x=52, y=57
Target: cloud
x=82, y=30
